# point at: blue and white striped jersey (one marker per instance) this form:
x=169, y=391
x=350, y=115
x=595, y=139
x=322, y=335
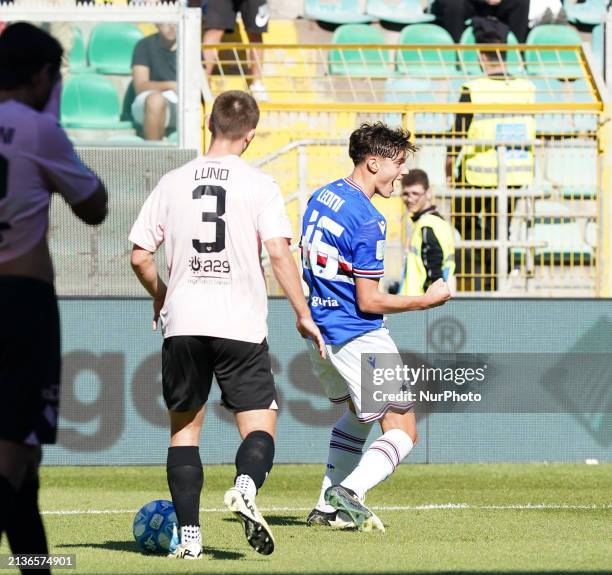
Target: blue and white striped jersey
x=343, y=238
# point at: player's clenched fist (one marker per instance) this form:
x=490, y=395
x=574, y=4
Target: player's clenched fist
x=437, y=293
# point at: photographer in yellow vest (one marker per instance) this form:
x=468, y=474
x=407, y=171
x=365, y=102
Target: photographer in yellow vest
x=431, y=253
x=477, y=160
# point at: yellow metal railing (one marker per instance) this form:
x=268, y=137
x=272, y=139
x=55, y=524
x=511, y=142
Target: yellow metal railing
x=541, y=237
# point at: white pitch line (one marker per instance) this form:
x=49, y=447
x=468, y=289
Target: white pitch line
x=425, y=507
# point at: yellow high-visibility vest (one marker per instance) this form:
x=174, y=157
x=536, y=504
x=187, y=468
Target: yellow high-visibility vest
x=480, y=163
x=415, y=274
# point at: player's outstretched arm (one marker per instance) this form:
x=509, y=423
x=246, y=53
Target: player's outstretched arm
x=371, y=300
x=286, y=272
x=143, y=264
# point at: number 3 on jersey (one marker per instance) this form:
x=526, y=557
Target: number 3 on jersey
x=211, y=216
x=317, y=255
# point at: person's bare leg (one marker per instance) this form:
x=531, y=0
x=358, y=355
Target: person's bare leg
x=256, y=56
x=155, y=110
x=212, y=36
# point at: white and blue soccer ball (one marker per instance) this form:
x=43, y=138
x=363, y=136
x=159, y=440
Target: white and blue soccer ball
x=155, y=527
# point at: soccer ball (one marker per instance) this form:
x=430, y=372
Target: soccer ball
x=156, y=528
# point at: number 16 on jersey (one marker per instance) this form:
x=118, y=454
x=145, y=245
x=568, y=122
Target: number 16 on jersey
x=318, y=255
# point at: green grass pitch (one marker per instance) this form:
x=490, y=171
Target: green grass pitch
x=488, y=518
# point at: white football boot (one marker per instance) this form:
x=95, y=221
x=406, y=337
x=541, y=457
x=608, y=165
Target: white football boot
x=256, y=530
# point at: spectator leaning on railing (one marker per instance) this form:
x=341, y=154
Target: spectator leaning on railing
x=154, y=76
x=452, y=14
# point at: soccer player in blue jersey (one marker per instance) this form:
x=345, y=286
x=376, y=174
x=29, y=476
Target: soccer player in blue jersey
x=343, y=245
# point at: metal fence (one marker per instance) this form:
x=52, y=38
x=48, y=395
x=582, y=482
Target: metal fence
x=543, y=236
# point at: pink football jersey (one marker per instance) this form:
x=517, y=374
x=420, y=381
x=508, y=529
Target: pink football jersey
x=36, y=159
x=213, y=215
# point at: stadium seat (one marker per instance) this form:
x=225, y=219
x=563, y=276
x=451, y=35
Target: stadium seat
x=421, y=91
x=426, y=63
x=335, y=11
x=569, y=240
x=469, y=59
x=550, y=90
x=597, y=46
x=90, y=101
x=111, y=46
x=127, y=139
x=77, y=58
x=398, y=11
x=590, y=12
x=359, y=62
x=550, y=63
x=572, y=169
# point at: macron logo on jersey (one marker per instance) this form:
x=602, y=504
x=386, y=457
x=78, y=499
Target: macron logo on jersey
x=382, y=226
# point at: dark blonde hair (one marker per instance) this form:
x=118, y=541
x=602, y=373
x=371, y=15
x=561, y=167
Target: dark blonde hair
x=234, y=114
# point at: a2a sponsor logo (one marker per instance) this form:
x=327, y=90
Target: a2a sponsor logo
x=202, y=265
x=323, y=302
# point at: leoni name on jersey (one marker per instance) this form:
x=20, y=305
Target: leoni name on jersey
x=330, y=200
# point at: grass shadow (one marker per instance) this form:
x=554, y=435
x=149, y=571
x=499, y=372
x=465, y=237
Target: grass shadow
x=132, y=547
x=282, y=520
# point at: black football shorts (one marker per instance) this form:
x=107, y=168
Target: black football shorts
x=221, y=15
x=29, y=360
x=242, y=370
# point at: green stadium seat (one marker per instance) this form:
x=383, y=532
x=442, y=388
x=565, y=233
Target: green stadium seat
x=90, y=101
x=335, y=11
x=469, y=59
x=398, y=11
x=111, y=46
x=550, y=63
x=590, y=12
x=549, y=90
x=597, y=46
x=127, y=139
x=426, y=63
x=359, y=62
x=77, y=57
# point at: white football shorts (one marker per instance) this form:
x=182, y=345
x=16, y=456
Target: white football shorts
x=340, y=372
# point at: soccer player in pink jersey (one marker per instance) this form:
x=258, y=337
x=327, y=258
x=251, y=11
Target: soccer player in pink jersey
x=213, y=214
x=36, y=159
